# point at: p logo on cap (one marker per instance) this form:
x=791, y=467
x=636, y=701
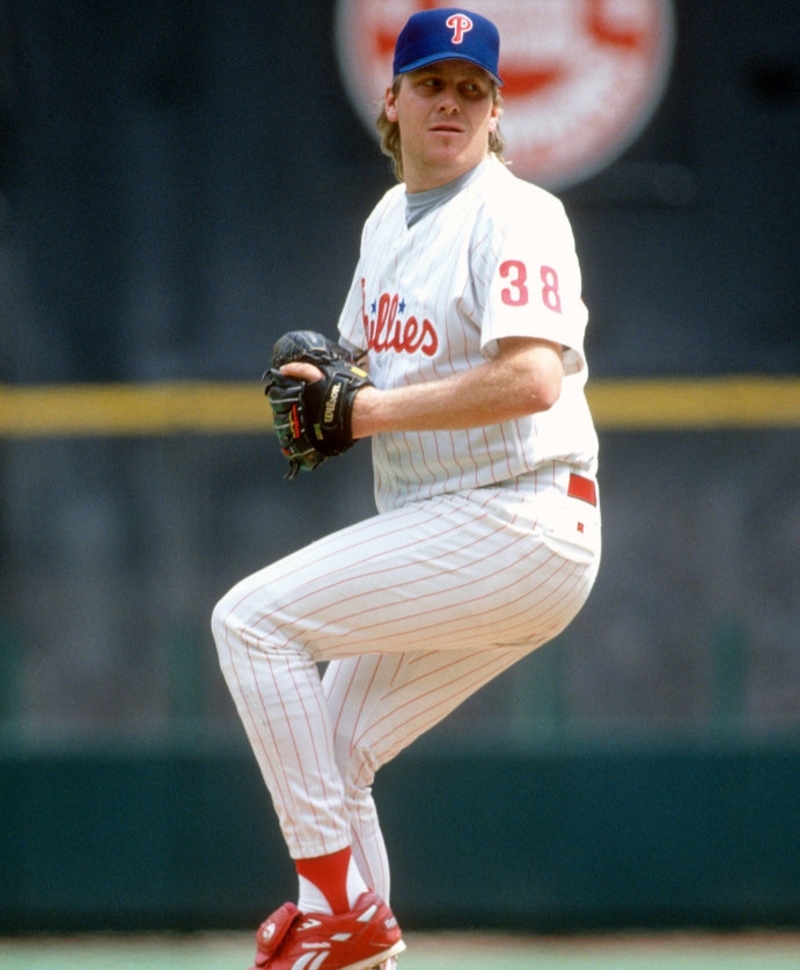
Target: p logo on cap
x=459, y=23
x=443, y=34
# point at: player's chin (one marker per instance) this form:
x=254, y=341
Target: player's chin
x=447, y=140
x=448, y=151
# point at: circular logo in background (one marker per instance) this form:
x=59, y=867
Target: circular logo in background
x=582, y=77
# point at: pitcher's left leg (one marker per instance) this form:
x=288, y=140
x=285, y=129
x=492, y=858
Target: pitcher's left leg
x=378, y=705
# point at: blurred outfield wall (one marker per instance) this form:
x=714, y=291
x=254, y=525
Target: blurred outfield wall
x=639, y=772
x=181, y=183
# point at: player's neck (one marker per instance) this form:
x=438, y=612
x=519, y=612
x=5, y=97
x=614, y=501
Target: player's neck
x=419, y=204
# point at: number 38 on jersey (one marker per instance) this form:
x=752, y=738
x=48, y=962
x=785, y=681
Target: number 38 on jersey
x=518, y=288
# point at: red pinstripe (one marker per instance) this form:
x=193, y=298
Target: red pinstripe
x=420, y=606
x=455, y=589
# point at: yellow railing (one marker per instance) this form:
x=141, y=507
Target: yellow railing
x=197, y=407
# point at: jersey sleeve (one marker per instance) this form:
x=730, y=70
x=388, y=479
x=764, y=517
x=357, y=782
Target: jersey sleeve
x=532, y=278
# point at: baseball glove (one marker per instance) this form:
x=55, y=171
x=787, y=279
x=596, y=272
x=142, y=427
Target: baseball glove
x=312, y=420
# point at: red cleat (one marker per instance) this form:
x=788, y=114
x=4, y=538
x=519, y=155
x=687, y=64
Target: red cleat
x=359, y=940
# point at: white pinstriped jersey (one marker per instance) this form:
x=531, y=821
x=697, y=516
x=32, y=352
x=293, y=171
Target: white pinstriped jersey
x=430, y=300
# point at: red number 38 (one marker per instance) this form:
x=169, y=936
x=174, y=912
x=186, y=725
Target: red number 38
x=517, y=294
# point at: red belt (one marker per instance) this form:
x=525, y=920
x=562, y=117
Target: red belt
x=582, y=488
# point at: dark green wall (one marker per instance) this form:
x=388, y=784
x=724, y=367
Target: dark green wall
x=575, y=837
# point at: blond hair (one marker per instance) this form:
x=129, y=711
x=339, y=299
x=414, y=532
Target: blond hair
x=389, y=132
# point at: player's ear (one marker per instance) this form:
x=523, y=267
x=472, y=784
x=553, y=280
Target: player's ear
x=390, y=104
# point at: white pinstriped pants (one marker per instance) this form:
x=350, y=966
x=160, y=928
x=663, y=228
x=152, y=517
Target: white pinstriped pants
x=415, y=609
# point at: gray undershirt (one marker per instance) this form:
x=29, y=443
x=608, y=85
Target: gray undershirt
x=419, y=204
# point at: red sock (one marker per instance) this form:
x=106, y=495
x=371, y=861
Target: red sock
x=329, y=874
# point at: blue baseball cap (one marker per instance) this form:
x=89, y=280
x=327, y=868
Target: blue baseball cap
x=444, y=34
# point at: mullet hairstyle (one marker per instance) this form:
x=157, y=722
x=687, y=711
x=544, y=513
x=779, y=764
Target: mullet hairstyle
x=389, y=132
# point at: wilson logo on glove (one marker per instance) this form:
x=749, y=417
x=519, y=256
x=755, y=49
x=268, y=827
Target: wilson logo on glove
x=330, y=406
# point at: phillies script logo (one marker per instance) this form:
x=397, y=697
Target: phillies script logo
x=386, y=330
x=460, y=24
x=583, y=78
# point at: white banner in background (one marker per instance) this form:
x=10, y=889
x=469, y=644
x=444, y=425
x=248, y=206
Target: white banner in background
x=582, y=77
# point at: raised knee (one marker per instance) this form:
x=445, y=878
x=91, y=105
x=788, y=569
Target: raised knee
x=227, y=632
x=219, y=620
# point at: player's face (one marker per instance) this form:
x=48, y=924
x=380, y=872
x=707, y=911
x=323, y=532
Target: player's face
x=445, y=113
